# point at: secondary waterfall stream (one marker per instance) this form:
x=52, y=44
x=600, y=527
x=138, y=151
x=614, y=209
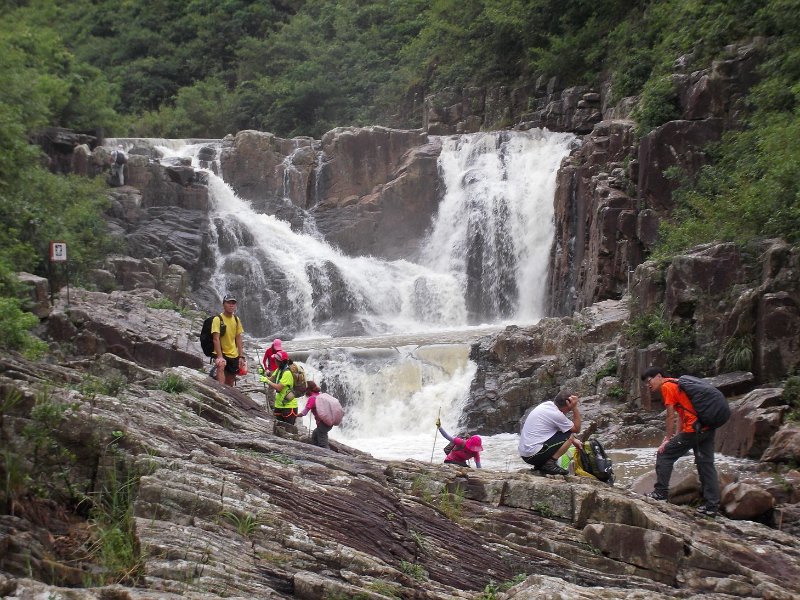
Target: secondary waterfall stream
x=483, y=265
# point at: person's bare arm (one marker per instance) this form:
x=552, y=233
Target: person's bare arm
x=576, y=415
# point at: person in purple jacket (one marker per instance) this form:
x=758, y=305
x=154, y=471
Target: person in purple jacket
x=463, y=450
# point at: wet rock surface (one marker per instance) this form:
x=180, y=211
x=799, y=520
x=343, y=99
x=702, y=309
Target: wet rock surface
x=226, y=505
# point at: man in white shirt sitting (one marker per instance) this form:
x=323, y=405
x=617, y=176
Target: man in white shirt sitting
x=547, y=433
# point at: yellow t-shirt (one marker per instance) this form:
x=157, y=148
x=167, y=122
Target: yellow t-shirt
x=233, y=327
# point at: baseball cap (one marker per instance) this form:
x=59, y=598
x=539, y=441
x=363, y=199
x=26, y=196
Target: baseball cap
x=277, y=344
x=281, y=355
x=229, y=298
x=474, y=443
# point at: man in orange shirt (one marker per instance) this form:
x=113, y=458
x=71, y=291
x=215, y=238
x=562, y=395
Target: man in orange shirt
x=678, y=444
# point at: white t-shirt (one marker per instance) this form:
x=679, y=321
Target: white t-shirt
x=542, y=423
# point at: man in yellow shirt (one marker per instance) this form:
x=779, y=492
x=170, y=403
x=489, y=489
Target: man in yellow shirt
x=228, y=348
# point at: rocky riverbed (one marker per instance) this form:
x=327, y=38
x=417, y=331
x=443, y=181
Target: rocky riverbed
x=218, y=502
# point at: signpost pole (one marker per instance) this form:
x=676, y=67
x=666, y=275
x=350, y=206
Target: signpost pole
x=58, y=253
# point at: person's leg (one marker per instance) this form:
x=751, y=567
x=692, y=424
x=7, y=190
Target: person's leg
x=678, y=446
x=564, y=447
x=320, y=435
x=544, y=461
x=231, y=369
x=221, y=374
x=704, y=459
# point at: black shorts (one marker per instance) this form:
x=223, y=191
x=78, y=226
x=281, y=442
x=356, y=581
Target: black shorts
x=232, y=365
x=548, y=449
x=287, y=415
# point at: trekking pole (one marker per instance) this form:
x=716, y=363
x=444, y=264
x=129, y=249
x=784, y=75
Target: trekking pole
x=438, y=416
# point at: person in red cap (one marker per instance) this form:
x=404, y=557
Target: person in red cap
x=269, y=362
x=282, y=381
x=463, y=450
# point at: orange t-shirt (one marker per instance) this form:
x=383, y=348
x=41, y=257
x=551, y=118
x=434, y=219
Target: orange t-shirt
x=672, y=395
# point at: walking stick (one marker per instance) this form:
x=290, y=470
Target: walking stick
x=438, y=416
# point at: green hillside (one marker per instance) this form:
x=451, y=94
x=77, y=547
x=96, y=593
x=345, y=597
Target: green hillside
x=186, y=68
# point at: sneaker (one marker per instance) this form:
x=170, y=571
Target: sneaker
x=706, y=511
x=656, y=496
x=551, y=468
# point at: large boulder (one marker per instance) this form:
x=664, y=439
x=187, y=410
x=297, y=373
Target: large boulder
x=755, y=418
x=784, y=446
x=122, y=323
x=264, y=168
x=386, y=204
x=36, y=294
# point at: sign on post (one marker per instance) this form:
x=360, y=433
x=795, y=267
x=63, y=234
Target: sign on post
x=58, y=251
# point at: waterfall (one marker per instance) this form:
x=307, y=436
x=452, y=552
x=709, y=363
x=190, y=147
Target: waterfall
x=494, y=228
x=484, y=262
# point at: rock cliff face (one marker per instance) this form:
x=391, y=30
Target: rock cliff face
x=371, y=190
x=613, y=191
x=742, y=305
x=223, y=504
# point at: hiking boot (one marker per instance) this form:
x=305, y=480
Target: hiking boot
x=551, y=468
x=706, y=511
x=656, y=496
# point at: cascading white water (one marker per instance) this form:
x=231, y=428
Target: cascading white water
x=485, y=262
x=494, y=228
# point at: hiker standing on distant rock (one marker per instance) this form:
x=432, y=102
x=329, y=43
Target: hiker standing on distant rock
x=319, y=437
x=675, y=445
x=547, y=433
x=282, y=381
x=118, y=160
x=228, y=348
x=463, y=450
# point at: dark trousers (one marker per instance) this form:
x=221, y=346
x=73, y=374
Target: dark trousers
x=702, y=444
x=549, y=448
x=319, y=437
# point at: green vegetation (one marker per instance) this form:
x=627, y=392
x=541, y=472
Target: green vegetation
x=384, y=588
x=543, y=509
x=450, y=503
x=115, y=547
x=15, y=325
x=617, y=392
x=609, y=370
x=413, y=570
x=246, y=524
x=492, y=588
x=738, y=353
x=91, y=386
x=678, y=340
x=173, y=383
x=167, y=304
x=162, y=304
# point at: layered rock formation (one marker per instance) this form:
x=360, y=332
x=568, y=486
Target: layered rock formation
x=223, y=507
